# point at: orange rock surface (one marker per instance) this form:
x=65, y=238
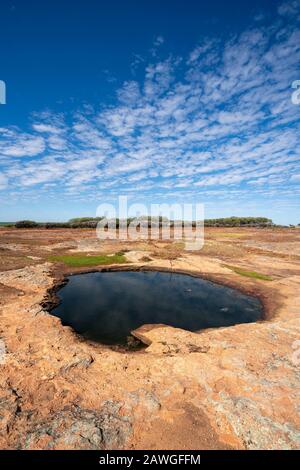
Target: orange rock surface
x=234, y=387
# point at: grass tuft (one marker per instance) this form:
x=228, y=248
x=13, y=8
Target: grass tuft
x=77, y=261
x=251, y=274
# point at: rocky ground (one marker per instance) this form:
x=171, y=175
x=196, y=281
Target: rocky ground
x=235, y=387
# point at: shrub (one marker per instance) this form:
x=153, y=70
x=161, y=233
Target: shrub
x=239, y=222
x=84, y=222
x=26, y=224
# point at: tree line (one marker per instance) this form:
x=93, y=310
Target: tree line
x=91, y=222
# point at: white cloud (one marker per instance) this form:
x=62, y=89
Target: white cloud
x=159, y=40
x=14, y=143
x=289, y=8
x=46, y=128
x=3, y=181
x=219, y=124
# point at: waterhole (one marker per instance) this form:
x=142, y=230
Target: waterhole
x=106, y=306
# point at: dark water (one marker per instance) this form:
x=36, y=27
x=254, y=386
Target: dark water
x=107, y=306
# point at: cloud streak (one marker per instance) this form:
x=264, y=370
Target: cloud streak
x=219, y=123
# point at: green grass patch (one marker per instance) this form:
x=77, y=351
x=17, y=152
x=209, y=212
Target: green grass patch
x=231, y=235
x=252, y=274
x=77, y=261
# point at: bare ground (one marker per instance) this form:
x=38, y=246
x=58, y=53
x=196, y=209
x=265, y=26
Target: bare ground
x=235, y=387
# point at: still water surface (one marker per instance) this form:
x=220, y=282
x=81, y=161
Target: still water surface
x=107, y=306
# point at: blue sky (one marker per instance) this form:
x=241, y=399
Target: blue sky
x=173, y=101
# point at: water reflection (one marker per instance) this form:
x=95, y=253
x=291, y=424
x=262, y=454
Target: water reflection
x=107, y=306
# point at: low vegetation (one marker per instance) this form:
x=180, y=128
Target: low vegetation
x=77, y=261
x=239, y=222
x=91, y=222
x=80, y=222
x=246, y=273
x=26, y=224
x=84, y=222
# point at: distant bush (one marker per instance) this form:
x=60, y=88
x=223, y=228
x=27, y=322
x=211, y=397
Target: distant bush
x=239, y=222
x=144, y=221
x=84, y=222
x=26, y=224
